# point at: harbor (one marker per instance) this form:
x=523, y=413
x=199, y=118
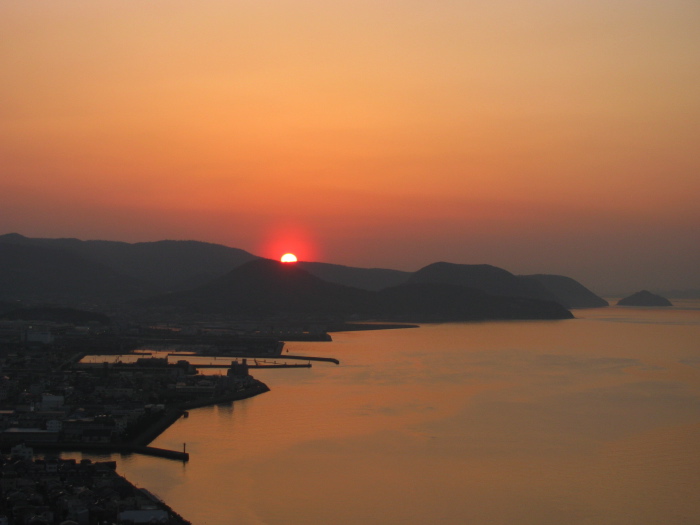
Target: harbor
x=176, y=387
x=114, y=398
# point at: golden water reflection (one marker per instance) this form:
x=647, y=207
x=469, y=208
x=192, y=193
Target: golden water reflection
x=590, y=421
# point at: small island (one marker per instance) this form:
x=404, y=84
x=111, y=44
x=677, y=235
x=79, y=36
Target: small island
x=644, y=298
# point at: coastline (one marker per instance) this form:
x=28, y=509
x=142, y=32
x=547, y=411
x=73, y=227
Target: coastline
x=369, y=325
x=140, y=443
x=137, y=445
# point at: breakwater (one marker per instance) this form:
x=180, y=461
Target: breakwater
x=110, y=448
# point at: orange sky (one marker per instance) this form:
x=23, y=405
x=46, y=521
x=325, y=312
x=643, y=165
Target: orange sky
x=539, y=136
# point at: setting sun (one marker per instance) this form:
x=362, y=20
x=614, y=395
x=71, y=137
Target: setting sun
x=289, y=258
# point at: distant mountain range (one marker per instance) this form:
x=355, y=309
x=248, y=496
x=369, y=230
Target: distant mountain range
x=266, y=288
x=37, y=273
x=163, y=265
x=199, y=276
x=364, y=278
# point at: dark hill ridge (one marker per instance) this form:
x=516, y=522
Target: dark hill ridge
x=364, y=278
x=265, y=287
x=166, y=265
x=644, y=298
x=181, y=265
x=490, y=279
x=568, y=292
x=56, y=315
x=110, y=272
x=33, y=273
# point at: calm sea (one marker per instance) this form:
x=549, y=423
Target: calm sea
x=594, y=420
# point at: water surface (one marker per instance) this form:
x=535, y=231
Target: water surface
x=594, y=420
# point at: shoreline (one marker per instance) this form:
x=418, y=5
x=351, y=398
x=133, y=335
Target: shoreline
x=140, y=443
x=361, y=327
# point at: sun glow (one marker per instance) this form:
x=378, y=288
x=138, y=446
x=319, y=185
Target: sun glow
x=288, y=258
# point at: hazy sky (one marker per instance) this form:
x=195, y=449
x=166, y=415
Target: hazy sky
x=551, y=136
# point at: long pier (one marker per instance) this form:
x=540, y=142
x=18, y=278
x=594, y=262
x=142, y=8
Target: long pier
x=308, y=358
x=108, y=448
x=258, y=365
x=261, y=357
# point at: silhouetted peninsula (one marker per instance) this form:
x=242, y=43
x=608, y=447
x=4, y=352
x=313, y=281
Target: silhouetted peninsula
x=644, y=298
x=568, y=292
x=437, y=302
x=484, y=277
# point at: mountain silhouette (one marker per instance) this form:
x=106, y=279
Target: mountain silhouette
x=644, y=298
x=182, y=265
x=568, y=291
x=39, y=274
x=439, y=302
x=164, y=265
x=191, y=276
x=484, y=277
x=269, y=288
x=365, y=278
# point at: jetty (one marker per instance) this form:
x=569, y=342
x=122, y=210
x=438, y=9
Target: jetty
x=258, y=358
x=309, y=358
x=256, y=364
x=108, y=448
